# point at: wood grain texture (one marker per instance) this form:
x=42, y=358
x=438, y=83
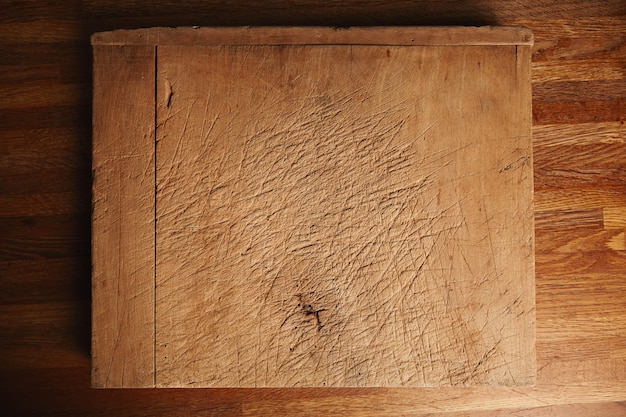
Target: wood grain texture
x=247, y=36
x=123, y=217
x=344, y=216
x=581, y=348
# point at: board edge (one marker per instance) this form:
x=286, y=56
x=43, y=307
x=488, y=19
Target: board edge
x=317, y=35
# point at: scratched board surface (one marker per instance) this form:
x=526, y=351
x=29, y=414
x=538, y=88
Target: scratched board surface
x=344, y=216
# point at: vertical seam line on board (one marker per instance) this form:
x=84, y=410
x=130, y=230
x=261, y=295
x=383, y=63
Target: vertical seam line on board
x=154, y=369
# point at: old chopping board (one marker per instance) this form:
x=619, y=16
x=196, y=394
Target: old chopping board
x=284, y=207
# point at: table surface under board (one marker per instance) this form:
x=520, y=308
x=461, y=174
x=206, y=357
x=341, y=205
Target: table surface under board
x=578, y=130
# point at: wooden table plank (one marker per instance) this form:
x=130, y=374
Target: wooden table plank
x=61, y=384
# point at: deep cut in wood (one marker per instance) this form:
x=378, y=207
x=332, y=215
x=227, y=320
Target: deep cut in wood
x=322, y=207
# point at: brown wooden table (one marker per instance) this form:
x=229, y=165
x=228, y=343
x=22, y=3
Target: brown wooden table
x=579, y=107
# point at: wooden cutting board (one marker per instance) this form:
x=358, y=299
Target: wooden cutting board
x=284, y=207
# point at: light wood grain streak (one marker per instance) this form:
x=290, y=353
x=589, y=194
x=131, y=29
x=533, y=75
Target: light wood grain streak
x=570, y=410
x=579, y=134
x=588, y=197
x=391, y=402
x=614, y=217
x=568, y=219
x=579, y=70
x=589, y=160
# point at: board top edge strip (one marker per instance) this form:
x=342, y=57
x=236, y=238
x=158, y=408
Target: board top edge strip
x=315, y=35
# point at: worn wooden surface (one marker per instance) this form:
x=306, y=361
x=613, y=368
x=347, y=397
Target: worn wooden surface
x=365, y=226
x=578, y=112
x=345, y=215
x=123, y=217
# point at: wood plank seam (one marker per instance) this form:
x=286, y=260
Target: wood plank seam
x=156, y=89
